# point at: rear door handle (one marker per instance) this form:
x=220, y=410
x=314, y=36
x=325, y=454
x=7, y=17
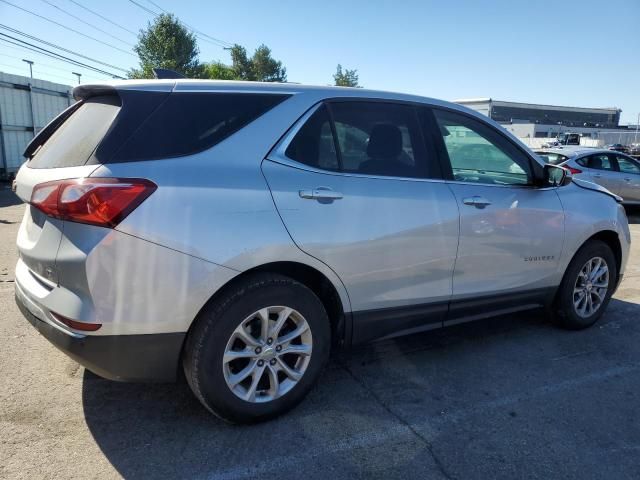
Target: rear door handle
x=596, y=175
x=320, y=193
x=627, y=179
x=476, y=201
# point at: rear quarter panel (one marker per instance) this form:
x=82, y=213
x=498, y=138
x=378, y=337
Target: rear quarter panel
x=216, y=205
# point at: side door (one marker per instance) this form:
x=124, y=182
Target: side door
x=602, y=170
x=358, y=189
x=630, y=170
x=511, y=232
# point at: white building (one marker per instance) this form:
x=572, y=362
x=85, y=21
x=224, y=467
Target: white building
x=26, y=105
x=536, y=124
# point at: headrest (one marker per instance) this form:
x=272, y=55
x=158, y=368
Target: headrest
x=385, y=141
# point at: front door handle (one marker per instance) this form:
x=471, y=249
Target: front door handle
x=627, y=179
x=476, y=201
x=320, y=193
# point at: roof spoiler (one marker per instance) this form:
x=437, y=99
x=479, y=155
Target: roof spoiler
x=166, y=74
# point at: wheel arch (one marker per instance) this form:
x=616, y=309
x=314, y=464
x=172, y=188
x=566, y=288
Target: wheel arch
x=610, y=237
x=312, y=278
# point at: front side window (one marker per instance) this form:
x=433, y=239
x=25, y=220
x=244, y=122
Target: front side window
x=626, y=165
x=478, y=154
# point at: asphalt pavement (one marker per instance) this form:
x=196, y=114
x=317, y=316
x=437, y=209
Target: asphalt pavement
x=510, y=397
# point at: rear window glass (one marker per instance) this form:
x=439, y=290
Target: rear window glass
x=552, y=158
x=76, y=139
x=187, y=123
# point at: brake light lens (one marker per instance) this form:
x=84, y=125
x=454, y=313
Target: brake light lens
x=574, y=171
x=104, y=202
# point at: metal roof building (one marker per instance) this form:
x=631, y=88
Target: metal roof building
x=516, y=112
x=26, y=105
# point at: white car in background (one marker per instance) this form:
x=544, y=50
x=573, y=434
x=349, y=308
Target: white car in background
x=617, y=172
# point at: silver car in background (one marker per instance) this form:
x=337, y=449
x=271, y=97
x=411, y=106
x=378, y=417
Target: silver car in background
x=617, y=172
x=236, y=232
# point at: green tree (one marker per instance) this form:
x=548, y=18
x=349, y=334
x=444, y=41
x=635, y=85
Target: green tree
x=166, y=43
x=261, y=67
x=346, y=78
x=219, y=71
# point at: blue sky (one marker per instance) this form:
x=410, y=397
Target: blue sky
x=579, y=53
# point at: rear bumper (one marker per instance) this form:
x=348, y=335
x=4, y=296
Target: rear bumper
x=142, y=358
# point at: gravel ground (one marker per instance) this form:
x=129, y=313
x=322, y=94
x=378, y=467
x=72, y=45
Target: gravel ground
x=511, y=397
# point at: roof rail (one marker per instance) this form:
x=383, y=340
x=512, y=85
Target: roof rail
x=166, y=74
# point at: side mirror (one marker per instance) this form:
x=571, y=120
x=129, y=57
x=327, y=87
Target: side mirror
x=556, y=176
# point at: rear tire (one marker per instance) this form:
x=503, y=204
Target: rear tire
x=270, y=329
x=587, y=286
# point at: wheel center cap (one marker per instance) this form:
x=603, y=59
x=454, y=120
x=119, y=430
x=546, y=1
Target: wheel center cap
x=589, y=286
x=268, y=352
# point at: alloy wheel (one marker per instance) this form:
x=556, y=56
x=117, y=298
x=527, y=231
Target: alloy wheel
x=590, y=289
x=267, y=354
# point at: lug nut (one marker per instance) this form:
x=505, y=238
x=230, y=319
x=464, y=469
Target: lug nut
x=260, y=363
x=258, y=350
x=270, y=341
x=273, y=361
x=278, y=348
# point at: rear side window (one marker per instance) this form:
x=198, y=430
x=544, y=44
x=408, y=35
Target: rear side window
x=364, y=137
x=552, y=158
x=76, y=139
x=600, y=161
x=379, y=139
x=313, y=145
x=187, y=123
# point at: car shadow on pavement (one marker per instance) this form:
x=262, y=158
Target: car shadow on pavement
x=633, y=214
x=161, y=430
x=7, y=197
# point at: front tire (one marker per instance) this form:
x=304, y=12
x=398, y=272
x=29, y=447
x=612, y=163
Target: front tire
x=587, y=286
x=255, y=352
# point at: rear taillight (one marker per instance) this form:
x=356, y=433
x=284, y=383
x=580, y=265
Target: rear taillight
x=574, y=171
x=97, y=201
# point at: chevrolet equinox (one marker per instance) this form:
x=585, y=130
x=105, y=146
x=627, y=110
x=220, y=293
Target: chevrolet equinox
x=236, y=232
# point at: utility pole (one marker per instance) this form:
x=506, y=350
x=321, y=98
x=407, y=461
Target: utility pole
x=77, y=75
x=30, y=66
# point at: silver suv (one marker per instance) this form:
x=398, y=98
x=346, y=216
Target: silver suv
x=236, y=232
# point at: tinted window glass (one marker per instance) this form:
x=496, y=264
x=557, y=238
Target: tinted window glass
x=76, y=139
x=626, y=165
x=600, y=162
x=380, y=139
x=552, y=158
x=313, y=145
x=188, y=123
x=478, y=154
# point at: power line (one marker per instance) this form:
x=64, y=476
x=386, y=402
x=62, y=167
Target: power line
x=218, y=42
x=39, y=63
x=103, y=17
x=48, y=53
x=67, y=28
x=86, y=23
x=148, y=10
x=31, y=37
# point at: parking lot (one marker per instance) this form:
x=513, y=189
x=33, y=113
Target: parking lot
x=511, y=397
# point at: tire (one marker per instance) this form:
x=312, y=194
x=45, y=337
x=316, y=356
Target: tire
x=231, y=326
x=578, y=316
